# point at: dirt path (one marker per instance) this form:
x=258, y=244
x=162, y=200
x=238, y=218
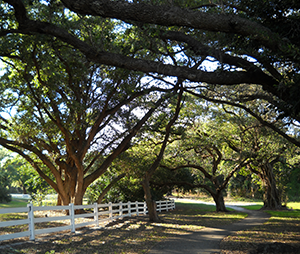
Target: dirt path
x=207, y=241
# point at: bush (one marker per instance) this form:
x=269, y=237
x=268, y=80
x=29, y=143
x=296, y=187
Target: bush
x=293, y=187
x=5, y=197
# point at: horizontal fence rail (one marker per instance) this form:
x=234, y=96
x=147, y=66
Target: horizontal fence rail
x=97, y=213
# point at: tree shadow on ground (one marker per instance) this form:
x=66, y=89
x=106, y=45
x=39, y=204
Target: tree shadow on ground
x=129, y=235
x=281, y=232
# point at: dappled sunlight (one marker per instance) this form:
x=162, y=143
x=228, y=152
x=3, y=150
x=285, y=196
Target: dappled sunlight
x=179, y=229
x=204, y=219
x=96, y=242
x=61, y=241
x=135, y=234
x=133, y=226
x=283, y=230
x=224, y=215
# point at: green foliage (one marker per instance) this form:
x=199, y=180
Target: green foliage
x=164, y=181
x=126, y=189
x=22, y=177
x=250, y=139
x=129, y=189
x=4, y=187
x=5, y=180
x=71, y=108
x=247, y=186
x=65, y=107
x=293, y=185
x=94, y=190
x=202, y=144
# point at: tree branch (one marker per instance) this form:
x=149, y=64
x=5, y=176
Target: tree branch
x=90, y=178
x=27, y=26
x=174, y=16
x=108, y=187
x=265, y=123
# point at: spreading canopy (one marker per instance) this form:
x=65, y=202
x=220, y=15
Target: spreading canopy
x=252, y=48
x=70, y=117
x=252, y=43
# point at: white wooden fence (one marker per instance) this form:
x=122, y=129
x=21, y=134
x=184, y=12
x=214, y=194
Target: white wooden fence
x=99, y=213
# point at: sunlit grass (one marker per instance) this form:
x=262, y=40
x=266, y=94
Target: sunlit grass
x=13, y=216
x=14, y=203
x=285, y=214
x=254, y=207
x=242, y=199
x=259, y=205
x=293, y=205
x=179, y=229
x=226, y=215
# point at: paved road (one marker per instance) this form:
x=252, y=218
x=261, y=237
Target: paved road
x=208, y=240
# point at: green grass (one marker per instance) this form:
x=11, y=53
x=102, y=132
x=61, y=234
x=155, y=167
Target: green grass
x=259, y=205
x=205, y=213
x=293, y=205
x=14, y=203
x=254, y=207
x=294, y=213
x=285, y=214
x=192, y=205
x=242, y=199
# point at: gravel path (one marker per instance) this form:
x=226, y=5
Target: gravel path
x=207, y=241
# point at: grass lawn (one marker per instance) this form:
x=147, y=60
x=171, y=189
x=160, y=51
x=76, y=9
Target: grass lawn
x=15, y=203
x=294, y=205
x=257, y=206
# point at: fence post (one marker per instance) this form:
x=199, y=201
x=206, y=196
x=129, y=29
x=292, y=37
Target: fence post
x=31, y=222
x=168, y=202
x=159, y=208
x=72, y=218
x=96, y=216
x=121, y=210
x=174, y=204
x=110, y=211
x=137, y=208
x=129, y=208
x=145, y=208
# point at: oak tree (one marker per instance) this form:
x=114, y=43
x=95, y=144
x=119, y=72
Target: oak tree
x=69, y=117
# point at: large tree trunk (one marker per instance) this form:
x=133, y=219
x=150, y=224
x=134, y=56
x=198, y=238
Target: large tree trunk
x=152, y=213
x=219, y=200
x=272, y=199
